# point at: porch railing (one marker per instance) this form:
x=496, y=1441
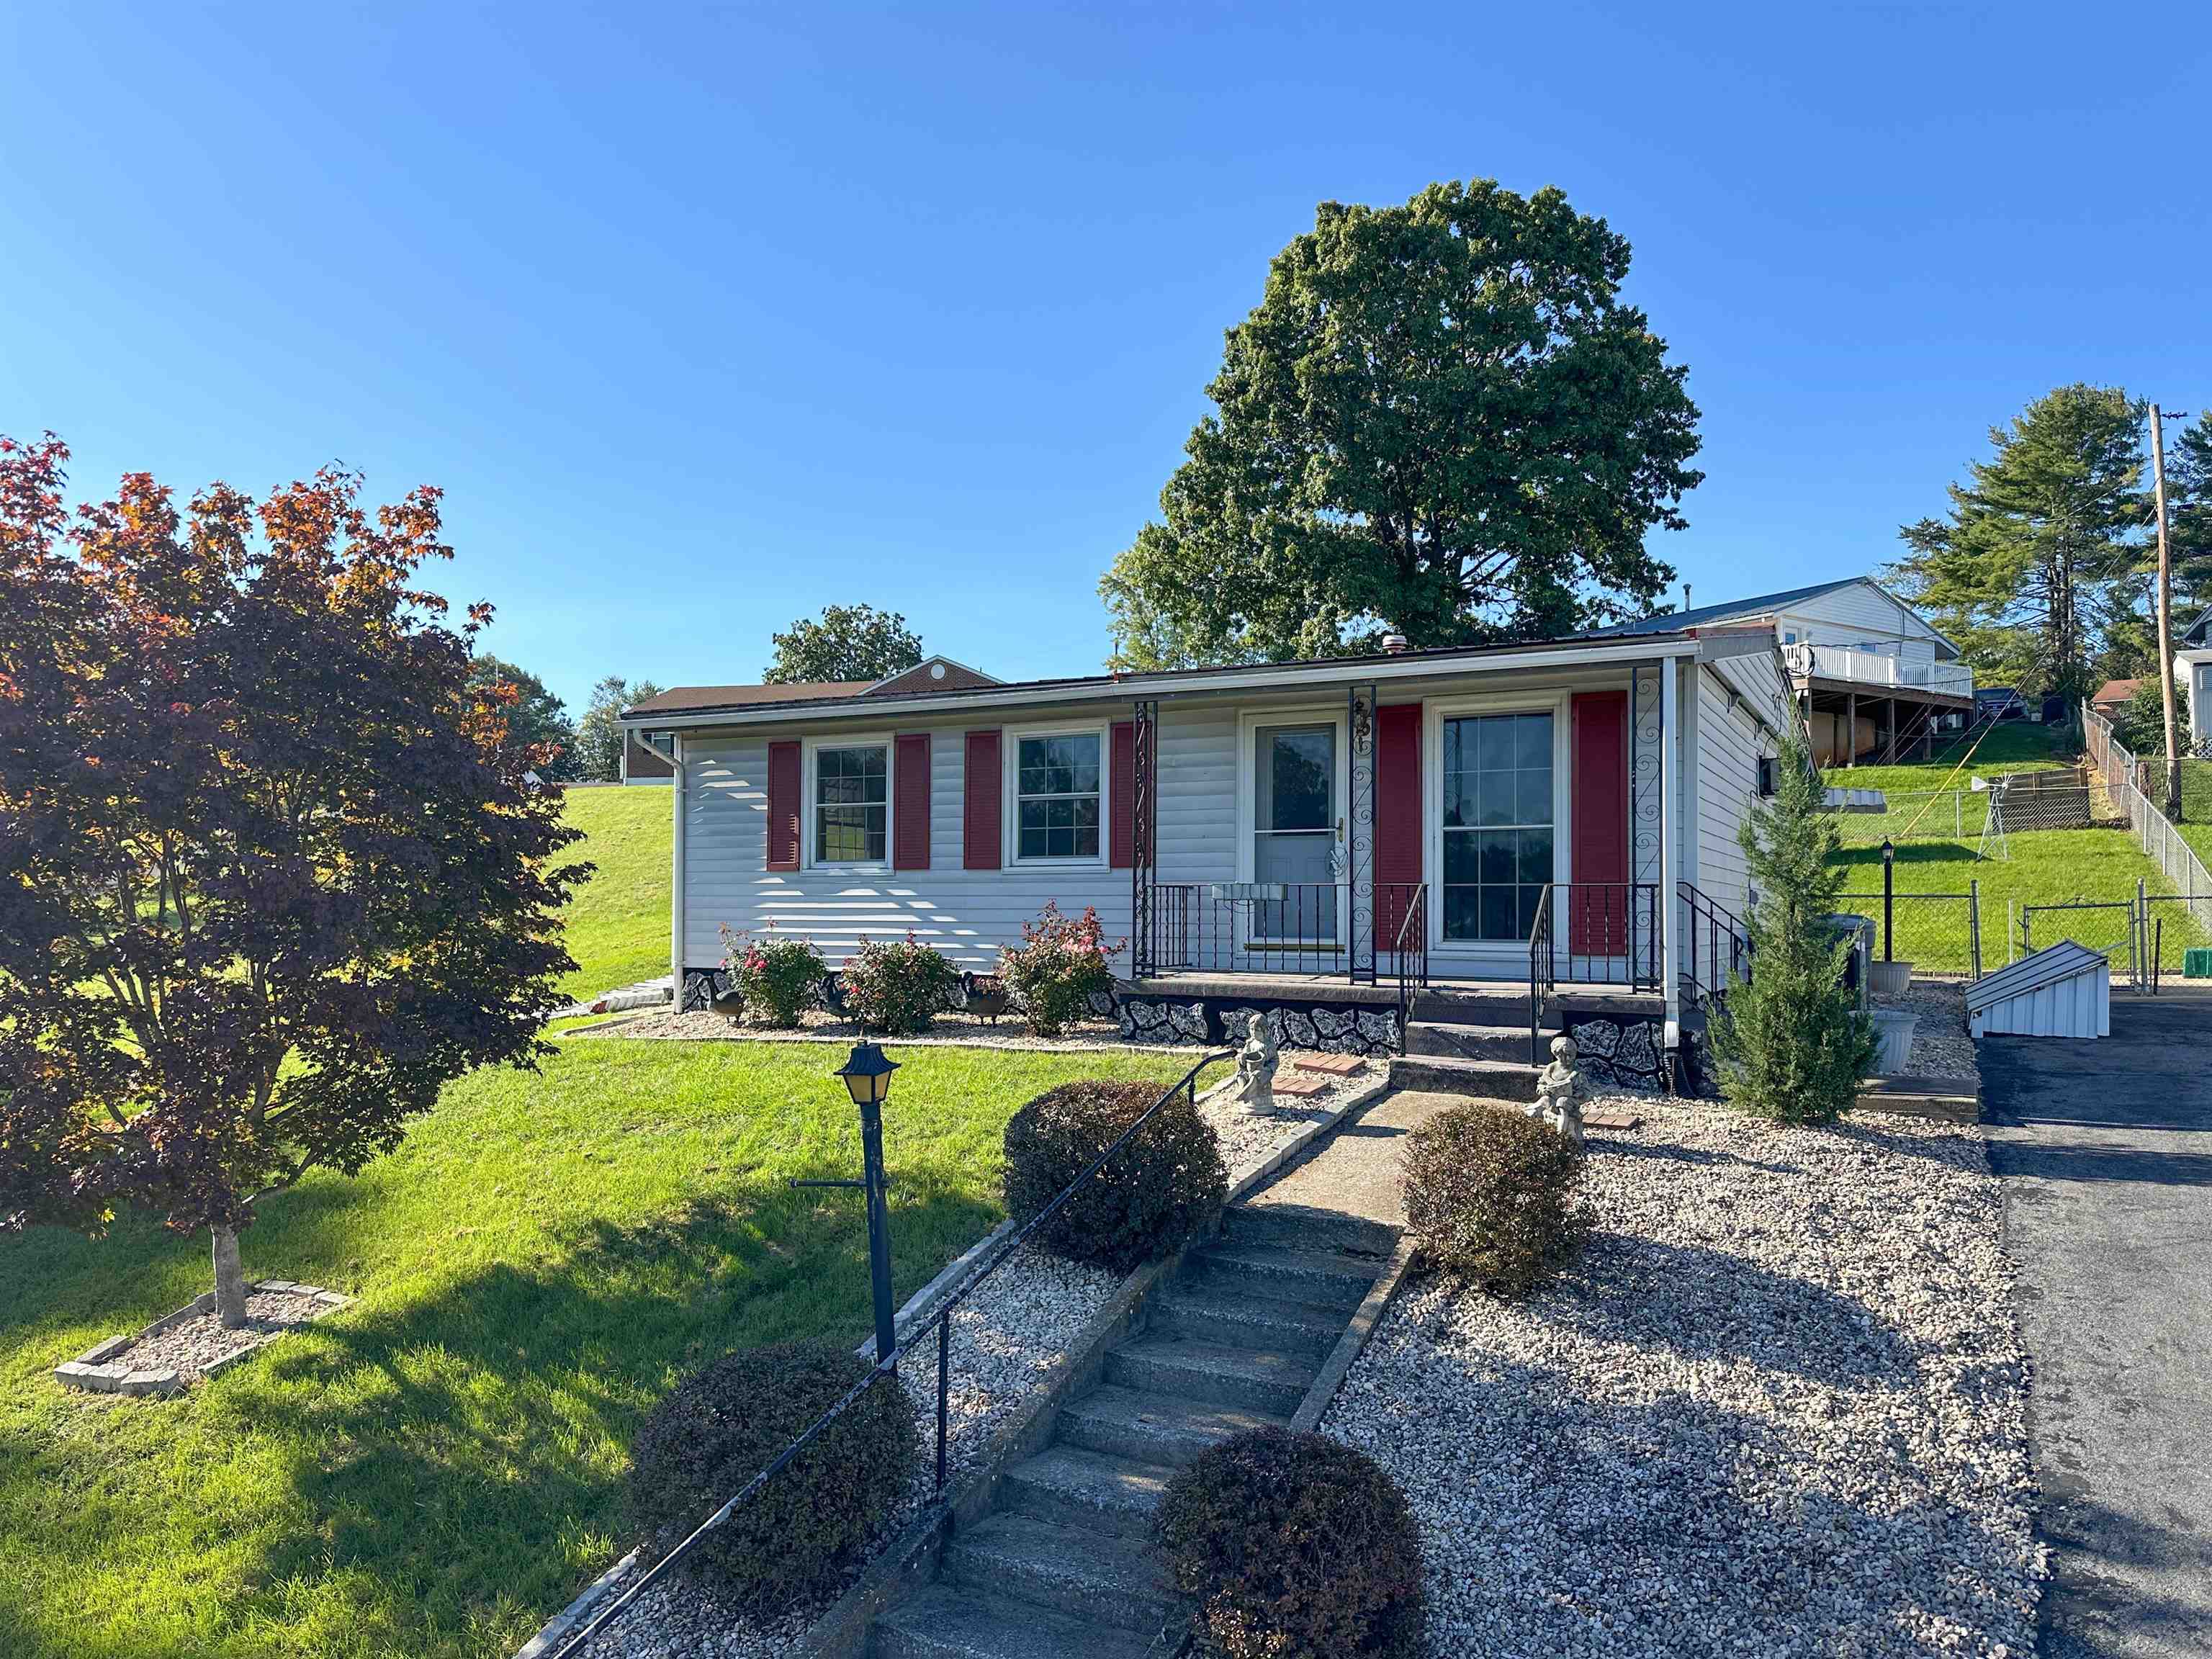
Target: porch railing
x=1278, y=928
x=1411, y=947
x=1716, y=948
x=1878, y=668
x=1605, y=932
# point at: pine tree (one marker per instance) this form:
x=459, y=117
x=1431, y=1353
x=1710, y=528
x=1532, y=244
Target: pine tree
x=1792, y=1043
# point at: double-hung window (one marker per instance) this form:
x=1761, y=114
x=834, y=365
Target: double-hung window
x=1057, y=795
x=852, y=803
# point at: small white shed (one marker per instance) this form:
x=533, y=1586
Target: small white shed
x=2064, y=990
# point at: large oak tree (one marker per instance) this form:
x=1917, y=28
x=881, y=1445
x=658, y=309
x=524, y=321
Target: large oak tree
x=1441, y=421
x=272, y=870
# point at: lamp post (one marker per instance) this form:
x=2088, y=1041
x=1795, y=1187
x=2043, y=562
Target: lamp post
x=1888, y=898
x=867, y=1075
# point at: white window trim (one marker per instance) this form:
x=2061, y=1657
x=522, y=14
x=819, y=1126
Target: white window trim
x=1010, y=813
x=1557, y=705
x=1249, y=722
x=889, y=744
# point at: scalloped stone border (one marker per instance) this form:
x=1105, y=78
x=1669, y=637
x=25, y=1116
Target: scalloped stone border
x=97, y=1369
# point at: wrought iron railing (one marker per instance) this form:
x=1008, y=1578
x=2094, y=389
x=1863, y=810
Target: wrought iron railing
x=886, y=1366
x=1410, y=945
x=1716, y=948
x=1273, y=927
x=1611, y=932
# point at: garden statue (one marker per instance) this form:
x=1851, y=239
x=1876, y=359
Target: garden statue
x=1255, y=1066
x=1560, y=1091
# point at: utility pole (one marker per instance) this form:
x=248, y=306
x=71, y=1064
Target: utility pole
x=2165, y=618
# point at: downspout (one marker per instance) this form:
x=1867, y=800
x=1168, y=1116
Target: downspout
x=679, y=796
x=1670, y=829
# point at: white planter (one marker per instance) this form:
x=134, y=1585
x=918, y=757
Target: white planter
x=1893, y=1029
x=1891, y=978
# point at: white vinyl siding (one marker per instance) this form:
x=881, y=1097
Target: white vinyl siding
x=1861, y=615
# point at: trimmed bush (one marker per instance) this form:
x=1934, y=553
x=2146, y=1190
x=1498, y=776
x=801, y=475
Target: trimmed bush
x=1486, y=1196
x=896, y=986
x=1060, y=964
x=1159, y=1189
x=723, y=1425
x=778, y=977
x=1295, y=1548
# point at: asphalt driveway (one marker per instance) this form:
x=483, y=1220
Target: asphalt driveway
x=2105, y=1149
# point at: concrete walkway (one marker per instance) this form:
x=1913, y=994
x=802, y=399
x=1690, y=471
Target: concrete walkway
x=2105, y=1149
x=1356, y=1171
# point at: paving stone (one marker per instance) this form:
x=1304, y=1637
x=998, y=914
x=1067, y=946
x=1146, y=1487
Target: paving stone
x=1337, y=1065
x=101, y=1353
x=1297, y=1084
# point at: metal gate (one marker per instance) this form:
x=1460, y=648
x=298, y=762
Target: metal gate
x=2122, y=929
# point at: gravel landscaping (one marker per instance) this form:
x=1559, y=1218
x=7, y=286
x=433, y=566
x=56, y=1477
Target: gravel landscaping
x=1006, y=1339
x=1777, y=1409
x=1941, y=1047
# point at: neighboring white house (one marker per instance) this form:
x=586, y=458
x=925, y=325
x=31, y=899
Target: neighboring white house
x=1876, y=680
x=1354, y=821
x=2193, y=668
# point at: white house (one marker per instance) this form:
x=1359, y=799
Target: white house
x=2192, y=670
x=1349, y=828
x=1875, y=680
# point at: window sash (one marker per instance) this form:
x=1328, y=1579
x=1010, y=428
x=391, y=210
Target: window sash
x=852, y=803
x=1059, y=796
x=1499, y=823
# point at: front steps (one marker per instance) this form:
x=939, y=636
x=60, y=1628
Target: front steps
x=1476, y=1042
x=1063, y=1568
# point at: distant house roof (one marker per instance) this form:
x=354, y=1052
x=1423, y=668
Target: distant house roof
x=930, y=674
x=1760, y=605
x=2112, y=693
x=2195, y=632
x=1763, y=607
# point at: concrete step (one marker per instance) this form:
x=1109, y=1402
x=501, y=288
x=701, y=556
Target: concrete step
x=1166, y=1364
x=946, y=1622
x=1087, y=1576
x=1500, y=1006
x=1156, y=1428
x=1095, y=1491
x=1478, y=1079
x=1233, y=1320
x=1508, y=1044
x=1297, y=1227
x=1326, y=1278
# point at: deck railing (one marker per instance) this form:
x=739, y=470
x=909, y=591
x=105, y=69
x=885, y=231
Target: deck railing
x=1877, y=668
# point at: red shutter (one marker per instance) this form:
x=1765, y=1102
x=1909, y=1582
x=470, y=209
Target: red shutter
x=980, y=836
x=1398, y=830
x=910, y=808
x=1598, y=914
x=783, y=790
x=1121, y=841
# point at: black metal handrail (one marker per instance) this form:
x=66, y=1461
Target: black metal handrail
x=942, y=1316
x=1412, y=949
x=1719, y=947
x=886, y=1365
x=1612, y=938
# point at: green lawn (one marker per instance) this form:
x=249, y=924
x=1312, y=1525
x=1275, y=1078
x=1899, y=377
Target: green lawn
x=618, y=920
x=2045, y=867
x=2014, y=747
x=435, y=1470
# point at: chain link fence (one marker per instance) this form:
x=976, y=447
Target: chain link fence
x=1939, y=933
x=2176, y=859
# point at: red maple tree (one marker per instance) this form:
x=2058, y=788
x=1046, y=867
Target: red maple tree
x=271, y=871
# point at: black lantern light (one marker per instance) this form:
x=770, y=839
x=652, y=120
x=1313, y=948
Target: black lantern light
x=868, y=1074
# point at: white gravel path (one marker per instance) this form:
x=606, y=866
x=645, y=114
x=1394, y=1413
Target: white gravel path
x=1778, y=1408
x=1006, y=1339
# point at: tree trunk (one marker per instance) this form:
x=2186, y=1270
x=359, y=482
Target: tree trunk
x=229, y=1279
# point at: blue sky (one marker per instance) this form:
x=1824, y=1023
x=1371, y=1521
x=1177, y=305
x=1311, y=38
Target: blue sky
x=705, y=320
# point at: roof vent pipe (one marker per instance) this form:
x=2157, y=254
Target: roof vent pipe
x=1396, y=644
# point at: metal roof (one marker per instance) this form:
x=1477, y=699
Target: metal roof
x=1758, y=605
x=2032, y=973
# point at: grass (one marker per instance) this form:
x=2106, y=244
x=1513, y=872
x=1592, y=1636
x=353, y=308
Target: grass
x=2043, y=867
x=618, y=920
x=435, y=1470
